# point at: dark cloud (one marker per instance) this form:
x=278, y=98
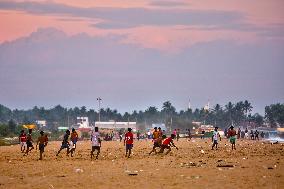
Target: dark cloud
x=49, y=68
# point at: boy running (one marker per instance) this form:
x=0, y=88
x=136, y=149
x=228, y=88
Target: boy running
x=157, y=139
x=215, y=137
x=74, y=139
x=42, y=142
x=30, y=145
x=128, y=142
x=160, y=132
x=232, y=136
x=96, y=143
x=167, y=144
x=23, y=141
x=65, y=143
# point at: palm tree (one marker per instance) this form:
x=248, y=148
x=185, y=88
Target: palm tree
x=230, y=109
x=247, y=107
x=168, y=110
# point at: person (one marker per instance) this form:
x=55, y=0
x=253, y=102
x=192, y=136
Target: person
x=149, y=135
x=202, y=134
x=96, y=142
x=128, y=142
x=189, y=134
x=246, y=134
x=251, y=135
x=175, y=132
x=74, y=138
x=29, y=142
x=256, y=133
x=160, y=132
x=138, y=135
x=232, y=137
x=23, y=141
x=120, y=136
x=168, y=142
x=239, y=133
x=178, y=132
x=155, y=133
x=111, y=135
x=215, y=137
x=262, y=134
x=65, y=143
x=243, y=134
x=226, y=132
x=157, y=139
x=42, y=143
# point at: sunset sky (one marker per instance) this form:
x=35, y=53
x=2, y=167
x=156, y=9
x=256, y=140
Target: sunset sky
x=137, y=53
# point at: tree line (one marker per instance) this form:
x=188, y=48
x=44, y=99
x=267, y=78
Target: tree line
x=237, y=114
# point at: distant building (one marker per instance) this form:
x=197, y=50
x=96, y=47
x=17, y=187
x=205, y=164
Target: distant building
x=41, y=123
x=82, y=124
x=116, y=125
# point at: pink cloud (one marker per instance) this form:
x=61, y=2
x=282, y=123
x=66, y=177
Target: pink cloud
x=171, y=38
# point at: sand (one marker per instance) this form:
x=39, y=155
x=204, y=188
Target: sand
x=254, y=164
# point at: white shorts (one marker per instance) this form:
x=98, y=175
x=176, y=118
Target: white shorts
x=73, y=144
x=23, y=144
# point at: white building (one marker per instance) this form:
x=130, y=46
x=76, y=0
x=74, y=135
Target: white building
x=116, y=125
x=41, y=123
x=83, y=122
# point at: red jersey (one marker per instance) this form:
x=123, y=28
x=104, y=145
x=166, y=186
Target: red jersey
x=129, y=138
x=231, y=133
x=167, y=141
x=23, y=137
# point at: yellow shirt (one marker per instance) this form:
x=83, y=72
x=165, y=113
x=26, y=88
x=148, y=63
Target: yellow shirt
x=155, y=134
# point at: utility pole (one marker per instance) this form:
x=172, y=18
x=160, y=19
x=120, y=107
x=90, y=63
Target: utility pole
x=99, y=100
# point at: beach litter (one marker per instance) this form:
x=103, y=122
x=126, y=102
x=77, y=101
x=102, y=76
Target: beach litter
x=225, y=165
x=195, y=177
x=78, y=170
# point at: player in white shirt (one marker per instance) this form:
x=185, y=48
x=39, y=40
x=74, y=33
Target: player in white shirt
x=96, y=142
x=215, y=137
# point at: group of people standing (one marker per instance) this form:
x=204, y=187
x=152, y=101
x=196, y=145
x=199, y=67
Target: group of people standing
x=231, y=134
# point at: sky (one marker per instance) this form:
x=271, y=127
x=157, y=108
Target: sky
x=136, y=54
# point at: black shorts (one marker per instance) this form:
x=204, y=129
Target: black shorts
x=29, y=144
x=64, y=145
x=165, y=146
x=129, y=146
x=156, y=144
x=96, y=148
x=215, y=141
x=41, y=147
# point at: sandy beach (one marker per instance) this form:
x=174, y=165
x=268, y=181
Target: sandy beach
x=255, y=164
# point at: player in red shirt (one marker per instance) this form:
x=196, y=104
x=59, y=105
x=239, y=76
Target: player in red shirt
x=128, y=142
x=167, y=144
x=232, y=134
x=23, y=140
